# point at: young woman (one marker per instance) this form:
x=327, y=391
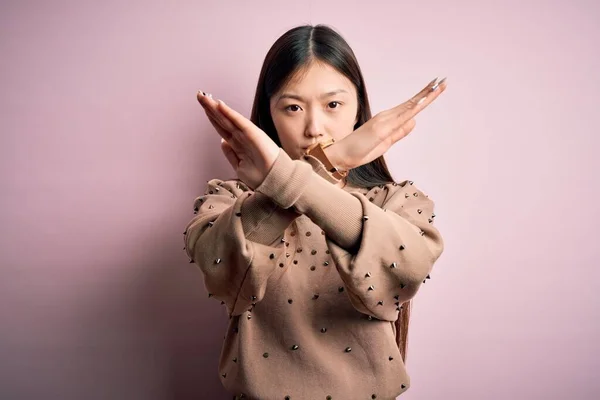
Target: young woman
x=314, y=249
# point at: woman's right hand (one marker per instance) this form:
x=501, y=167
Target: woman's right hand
x=378, y=134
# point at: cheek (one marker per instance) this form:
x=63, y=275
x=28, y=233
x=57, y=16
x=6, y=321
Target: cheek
x=286, y=129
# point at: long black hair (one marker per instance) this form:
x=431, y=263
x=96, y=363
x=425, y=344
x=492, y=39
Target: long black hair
x=295, y=49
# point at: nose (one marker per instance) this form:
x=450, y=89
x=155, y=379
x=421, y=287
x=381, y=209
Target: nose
x=314, y=126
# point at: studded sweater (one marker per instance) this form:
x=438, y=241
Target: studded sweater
x=312, y=277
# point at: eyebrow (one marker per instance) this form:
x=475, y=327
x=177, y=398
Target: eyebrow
x=295, y=96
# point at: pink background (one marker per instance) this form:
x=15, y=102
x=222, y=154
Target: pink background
x=103, y=148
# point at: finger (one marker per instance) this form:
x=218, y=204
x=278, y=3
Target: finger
x=411, y=108
x=224, y=127
x=226, y=135
x=230, y=154
x=418, y=99
x=238, y=120
x=414, y=100
x=404, y=130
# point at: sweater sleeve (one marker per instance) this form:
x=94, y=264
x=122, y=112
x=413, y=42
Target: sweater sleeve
x=383, y=252
x=236, y=239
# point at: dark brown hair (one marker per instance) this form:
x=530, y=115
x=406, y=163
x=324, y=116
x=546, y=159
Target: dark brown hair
x=294, y=50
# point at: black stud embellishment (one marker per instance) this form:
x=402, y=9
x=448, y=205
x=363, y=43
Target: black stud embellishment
x=216, y=189
x=402, y=247
x=327, y=252
x=290, y=301
x=390, y=358
x=394, y=265
x=433, y=215
x=366, y=217
x=218, y=261
x=222, y=302
x=371, y=287
x=371, y=199
x=368, y=275
x=419, y=211
x=415, y=194
x=266, y=355
x=406, y=196
x=210, y=192
x=410, y=182
x=238, y=214
x=295, y=347
x=281, y=265
x=322, y=232
x=299, y=250
x=253, y=298
x=328, y=398
x=312, y=268
x=403, y=386
x=316, y=296
x=370, y=317
x=430, y=220
x=348, y=349
x=373, y=396
x=323, y=330
x=211, y=223
x=428, y=277
x=249, y=316
x=211, y=207
x=326, y=263
x=282, y=240
x=380, y=303
x=313, y=252
x=308, y=233
x=397, y=297
x=287, y=397
x=210, y=295
x=271, y=256
x=295, y=261
x=235, y=360
x=422, y=232
x=224, y=375
x=287, y=254
x=402, y=285
x=191, y=261
x=341, y=289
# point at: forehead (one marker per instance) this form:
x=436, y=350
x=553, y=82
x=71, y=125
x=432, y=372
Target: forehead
x=318, y=77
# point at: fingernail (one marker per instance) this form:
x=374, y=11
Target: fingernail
x=437, y=84
x=433, y=81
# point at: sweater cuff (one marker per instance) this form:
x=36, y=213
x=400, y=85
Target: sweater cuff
x=320, y=169
x=286, y=181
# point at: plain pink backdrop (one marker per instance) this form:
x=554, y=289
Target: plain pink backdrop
x=103, y=149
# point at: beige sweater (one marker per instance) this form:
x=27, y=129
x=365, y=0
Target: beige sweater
x=312, y=276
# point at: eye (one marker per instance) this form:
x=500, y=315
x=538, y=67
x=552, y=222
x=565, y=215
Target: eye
x=293, y=108
x=337, y=103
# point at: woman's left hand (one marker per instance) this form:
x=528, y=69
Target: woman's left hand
x=249, y=150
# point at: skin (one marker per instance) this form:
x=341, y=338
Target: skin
x=316, y=105
x=313, y=117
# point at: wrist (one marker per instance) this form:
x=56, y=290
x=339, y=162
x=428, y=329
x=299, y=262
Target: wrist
x=336, y=157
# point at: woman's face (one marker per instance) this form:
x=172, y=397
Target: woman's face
x=317, y=104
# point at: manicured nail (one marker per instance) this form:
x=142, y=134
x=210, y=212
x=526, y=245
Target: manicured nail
x=437, y=84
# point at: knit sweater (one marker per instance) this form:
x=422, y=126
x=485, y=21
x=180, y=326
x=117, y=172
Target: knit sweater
x=312, y=277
